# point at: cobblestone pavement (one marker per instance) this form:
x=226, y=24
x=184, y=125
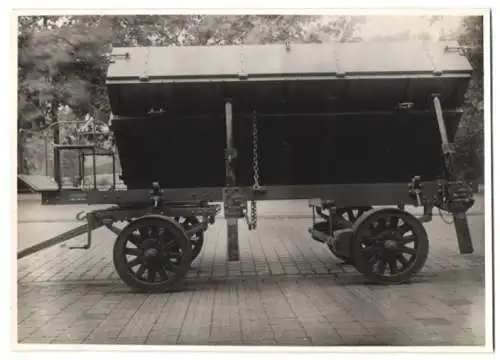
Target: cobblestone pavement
x=286, y=290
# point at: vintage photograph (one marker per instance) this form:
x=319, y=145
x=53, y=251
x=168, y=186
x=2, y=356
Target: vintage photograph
x=253, y=180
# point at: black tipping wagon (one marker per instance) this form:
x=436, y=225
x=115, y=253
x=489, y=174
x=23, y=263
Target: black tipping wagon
x=361, y=130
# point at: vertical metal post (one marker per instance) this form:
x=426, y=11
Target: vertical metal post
x=114, y=171
x=95, y=167
x=459, y=219
x=233, y=252
x=82, y=169
x=57, y=159
x=46, y=150
x=57, y=141
x=57, y=166
x=463, y=233
x=442, y=126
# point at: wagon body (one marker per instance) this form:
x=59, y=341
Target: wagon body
x=347, y=126
x=326, y=113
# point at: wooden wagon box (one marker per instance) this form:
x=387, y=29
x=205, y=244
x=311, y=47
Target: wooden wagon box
x=326, y=113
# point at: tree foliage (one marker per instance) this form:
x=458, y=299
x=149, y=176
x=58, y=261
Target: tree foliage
x=62, y=61
x=470, y=136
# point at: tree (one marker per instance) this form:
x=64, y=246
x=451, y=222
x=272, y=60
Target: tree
x=470, y=136
x=62, y=61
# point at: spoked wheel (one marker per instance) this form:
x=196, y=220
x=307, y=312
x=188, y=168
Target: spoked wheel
x=389, y=245
x=351, y=215
x=152, y=253
x=196, y=239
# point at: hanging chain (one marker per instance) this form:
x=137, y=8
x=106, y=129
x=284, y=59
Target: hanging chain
x=255, y=140
x=252, y=224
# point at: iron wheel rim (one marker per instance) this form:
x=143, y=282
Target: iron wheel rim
x=152, y=254
x=389, y=245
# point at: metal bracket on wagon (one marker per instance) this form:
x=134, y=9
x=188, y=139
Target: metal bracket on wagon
x=415, y=189
x=234, y=203
x=231, y=154
x=454, y=197
x=258, y=189
x=156, y=194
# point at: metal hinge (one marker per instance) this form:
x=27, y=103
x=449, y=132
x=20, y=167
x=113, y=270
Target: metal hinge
x=405, y=105
x=112, y=57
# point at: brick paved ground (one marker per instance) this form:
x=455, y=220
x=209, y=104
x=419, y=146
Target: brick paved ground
x=286, y=290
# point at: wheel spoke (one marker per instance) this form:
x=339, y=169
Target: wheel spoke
x=368, y=249
x=381, y=224
x=155, y=232
x=137, y=261
x=408, y=239
x=151, y=274
x=372, y=261
x=402, y=260
x=173, y=255
x=140, y=271
x=163, y=273
x=169, y=243
x=144, y=231
x=407, y=250
x=170, y=267
x=394, y=222
x=403, y=229
x=393, y=266
x=133, y=251
x=134, y=239
x=381, y=266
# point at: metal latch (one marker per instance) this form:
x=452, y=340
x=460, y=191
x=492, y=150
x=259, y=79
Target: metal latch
x=415, y=189
x=405, y=105
x=231, y=154
x=448, y=149
x=156, y=194
x=156, y=112
x=112, y=57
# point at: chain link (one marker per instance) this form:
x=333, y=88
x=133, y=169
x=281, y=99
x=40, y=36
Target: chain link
x=252, y=225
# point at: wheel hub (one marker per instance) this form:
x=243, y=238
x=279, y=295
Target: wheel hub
x=390, y=244
x=151, y=253
x=389, y=239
